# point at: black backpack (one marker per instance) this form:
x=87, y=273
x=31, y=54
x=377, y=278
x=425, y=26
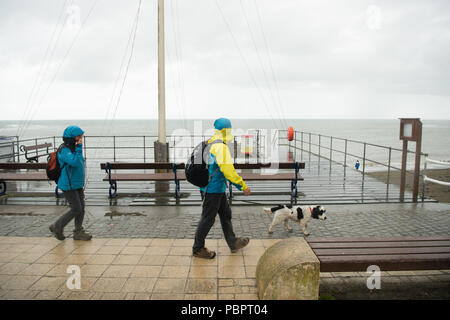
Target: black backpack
x=53, y=169
x=196, y=167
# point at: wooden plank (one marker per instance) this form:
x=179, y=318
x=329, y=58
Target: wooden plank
x=394, y=244
x=142, y=165
x=22, y=165
x=169, y=176
x=39, y=146
x=269, y=165
x=379, y=251
x=385, y=262
x=29, y=176
x=278, y=176
x=375, y=239
x=168, y=165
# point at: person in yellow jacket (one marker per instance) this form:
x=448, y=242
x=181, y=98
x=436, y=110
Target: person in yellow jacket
x=220, y=169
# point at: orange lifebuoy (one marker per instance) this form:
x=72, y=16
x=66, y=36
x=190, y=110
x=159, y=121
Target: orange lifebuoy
x=290, y=134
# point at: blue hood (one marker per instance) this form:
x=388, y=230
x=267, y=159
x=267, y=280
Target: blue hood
x=72, y=132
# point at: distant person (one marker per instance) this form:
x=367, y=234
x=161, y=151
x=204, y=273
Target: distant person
x=357, y=165
x=215, y=201
x=71, y=182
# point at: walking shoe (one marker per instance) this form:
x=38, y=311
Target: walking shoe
x=239, y=244
x=57, y=233
x=81, y=235
x=204, y=253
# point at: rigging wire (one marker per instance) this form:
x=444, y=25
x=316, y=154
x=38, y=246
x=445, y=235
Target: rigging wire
x=131, y=42
x=180, y=63
x=60, y=65
x=269, y=56
x=245, y=62
x=279, y=114
x=42, y=71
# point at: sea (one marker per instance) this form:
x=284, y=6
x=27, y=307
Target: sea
x=375, y=133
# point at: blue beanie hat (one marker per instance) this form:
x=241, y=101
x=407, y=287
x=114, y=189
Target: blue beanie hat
x=222, y=123
x=72, y=132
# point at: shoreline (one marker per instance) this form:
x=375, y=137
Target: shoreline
x=432, y=190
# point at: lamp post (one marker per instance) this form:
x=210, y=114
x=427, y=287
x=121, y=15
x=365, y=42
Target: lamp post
x=410, y=130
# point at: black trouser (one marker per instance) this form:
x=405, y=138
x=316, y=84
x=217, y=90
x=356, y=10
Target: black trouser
x=214, y=203
x=76, y=202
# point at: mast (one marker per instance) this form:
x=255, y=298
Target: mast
x=161, y=147
x=161, y=76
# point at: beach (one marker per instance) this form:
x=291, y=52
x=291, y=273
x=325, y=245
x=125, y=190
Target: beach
x=432, y=190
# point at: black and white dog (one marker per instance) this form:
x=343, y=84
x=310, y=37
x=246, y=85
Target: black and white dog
x=299, y=214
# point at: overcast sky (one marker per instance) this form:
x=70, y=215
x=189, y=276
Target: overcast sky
x=66, y=59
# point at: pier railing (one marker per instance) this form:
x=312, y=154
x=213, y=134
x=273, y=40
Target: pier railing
x=128, y=148
x=371, y=157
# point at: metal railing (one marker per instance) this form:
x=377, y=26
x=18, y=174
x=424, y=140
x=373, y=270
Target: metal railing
x=345, y=151
x=427, y=179
x=128, y=148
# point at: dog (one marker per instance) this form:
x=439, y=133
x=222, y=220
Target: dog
x=300, y=214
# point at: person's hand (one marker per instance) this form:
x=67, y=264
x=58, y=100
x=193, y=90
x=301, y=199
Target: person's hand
x=78, y=140
x=247, y=191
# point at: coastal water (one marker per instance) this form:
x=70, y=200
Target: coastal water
x=436, y=133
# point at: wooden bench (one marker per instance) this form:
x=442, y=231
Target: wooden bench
x=23, y=176
x=37, y=148
x=177, y=176
x=112, y=178
x=389, y=254
x=292, y=176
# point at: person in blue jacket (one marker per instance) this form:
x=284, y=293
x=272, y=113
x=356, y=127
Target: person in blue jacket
x=221, y=170
x=71, y=182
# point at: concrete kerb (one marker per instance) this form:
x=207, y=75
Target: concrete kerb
x=288, y=270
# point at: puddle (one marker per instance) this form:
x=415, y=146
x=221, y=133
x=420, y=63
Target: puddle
x=118, y=214
x=30, y=214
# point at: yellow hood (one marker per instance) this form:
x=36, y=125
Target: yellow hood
x=224, y=135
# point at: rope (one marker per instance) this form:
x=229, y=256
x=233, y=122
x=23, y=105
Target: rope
x=245, y=61
x=60, y=65
x=44, y=66
x=131, y=40
x=270, y=62
x=442, y=163
x=279, y=114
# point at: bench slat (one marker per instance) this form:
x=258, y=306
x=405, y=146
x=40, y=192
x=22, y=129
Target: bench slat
x=168, y=165
x=22, y=165
x=394, y=244
x=379, y=251
x=182, y=176
x=29, y=176
x=366, y=239
x=38, y=146
x=169, y=176
x=278, y=176
x=385, y=262
x=142, y=166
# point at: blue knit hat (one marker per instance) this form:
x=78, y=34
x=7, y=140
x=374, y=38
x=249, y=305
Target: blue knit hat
x=72, y=132
x=222, y=123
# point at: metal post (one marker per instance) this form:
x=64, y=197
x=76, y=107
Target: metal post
x=423, y=177
x=18, y=149
x=144, y=148
x=114, y=148
x=403, y=172
x=388, y=174
x=319, y=146
x=417, y=161
x=161, y=76
x=301, y=156
x=331, y=151
x=364, y=164
x=257, y=146
x=35, y=143
x=345, y=159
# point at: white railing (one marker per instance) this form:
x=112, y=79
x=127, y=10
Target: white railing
x=426, y=179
